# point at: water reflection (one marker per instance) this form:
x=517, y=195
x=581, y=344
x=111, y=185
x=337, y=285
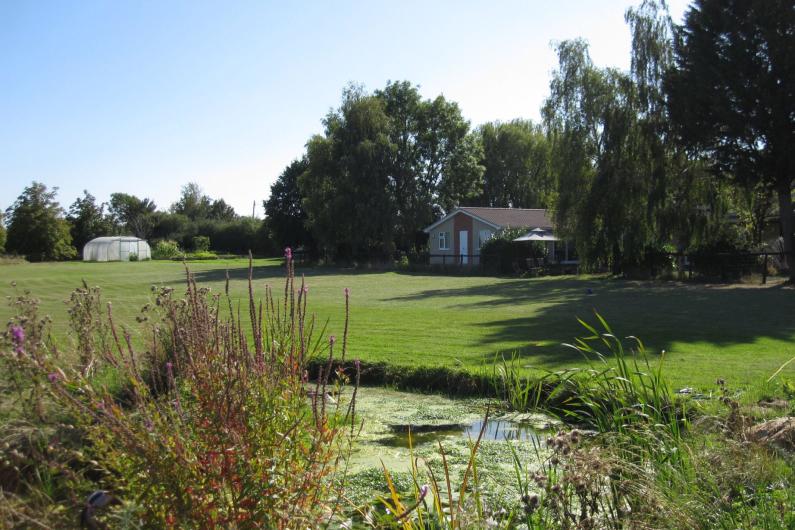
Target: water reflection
x=497, y=429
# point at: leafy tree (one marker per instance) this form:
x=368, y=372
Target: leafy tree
x=435, y=162
x=36, y=227
x=516, y=162
x=131, y=214
x=601, y=195
x=221, y=211
x=193, y=203
x=2, y=234
x=731, y=97
x=345, y=188
x=87, y=220
x=284, y=213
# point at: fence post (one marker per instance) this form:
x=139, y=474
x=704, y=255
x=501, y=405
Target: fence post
x=764, y=271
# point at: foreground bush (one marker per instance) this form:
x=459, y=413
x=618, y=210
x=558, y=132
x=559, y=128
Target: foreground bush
x=211, y=426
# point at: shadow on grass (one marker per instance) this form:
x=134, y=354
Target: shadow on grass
x=660, y=313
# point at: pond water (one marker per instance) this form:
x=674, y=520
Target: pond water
x=397, y=427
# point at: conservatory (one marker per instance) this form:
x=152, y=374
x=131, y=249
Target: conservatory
x=116, y=248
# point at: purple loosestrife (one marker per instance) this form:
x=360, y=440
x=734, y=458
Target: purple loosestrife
x=18, y=339
x=288, y=253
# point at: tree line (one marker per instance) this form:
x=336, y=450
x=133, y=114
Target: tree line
x=688, y=150
x=41, y=230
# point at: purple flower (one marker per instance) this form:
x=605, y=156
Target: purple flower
x=306, y=289
x=169, y=367
x=17, y=334
x=424, y=489
x=18, y=339
x=358, y=364
x=53, y=377
x=288, y=253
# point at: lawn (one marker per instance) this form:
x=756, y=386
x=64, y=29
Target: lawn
x=740, y=333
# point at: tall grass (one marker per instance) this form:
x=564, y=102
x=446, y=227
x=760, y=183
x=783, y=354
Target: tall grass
x=215, y=423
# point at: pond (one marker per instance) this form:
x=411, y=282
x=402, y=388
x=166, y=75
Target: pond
x=398, y=426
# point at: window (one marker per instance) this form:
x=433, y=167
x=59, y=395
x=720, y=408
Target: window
x=485, y=235
x=444, y=240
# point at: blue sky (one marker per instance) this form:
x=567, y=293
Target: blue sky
x=144, y=96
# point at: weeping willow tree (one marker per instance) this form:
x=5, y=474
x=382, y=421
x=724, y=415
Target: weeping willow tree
x=624, y=191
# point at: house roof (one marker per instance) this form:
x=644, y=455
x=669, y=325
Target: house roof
x=501, y=217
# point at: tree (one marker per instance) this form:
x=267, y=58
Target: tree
x=132, y=214
x=87, y=220
x=346, y=185
x=730, y=95
x=193, y=203
x=221, y=211
x=36, y=227
x=2, y=234
x=601, y=195
x=284, y=213
x=434, y=161
x=516, y=162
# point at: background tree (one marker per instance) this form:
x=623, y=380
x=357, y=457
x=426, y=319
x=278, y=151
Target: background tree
x=601, y=195
x=193, y=203
x=2, y=234
x=516, y=165
x=731, y=96
x=87, y=220
x=435, y=162
x=36, y=227
x=345, y=187
x=284, y=213
x=131, y=214
x=221, y=211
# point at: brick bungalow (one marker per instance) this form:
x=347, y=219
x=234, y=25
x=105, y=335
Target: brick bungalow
x=462, y=232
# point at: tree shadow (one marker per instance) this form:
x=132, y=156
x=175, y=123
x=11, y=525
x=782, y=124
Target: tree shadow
x=662, y=314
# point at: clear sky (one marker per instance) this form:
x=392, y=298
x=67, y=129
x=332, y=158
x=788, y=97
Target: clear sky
x=143, y=96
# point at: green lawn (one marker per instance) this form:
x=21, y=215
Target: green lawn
x=740, y=333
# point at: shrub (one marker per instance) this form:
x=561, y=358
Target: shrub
x=215, y=427
x=166, y=249
x=501, y=254
x=201, y=244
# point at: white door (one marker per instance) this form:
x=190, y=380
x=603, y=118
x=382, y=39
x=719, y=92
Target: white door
x=463, y=246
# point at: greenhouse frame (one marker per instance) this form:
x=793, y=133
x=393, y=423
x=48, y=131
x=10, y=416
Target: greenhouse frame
x=116, y=248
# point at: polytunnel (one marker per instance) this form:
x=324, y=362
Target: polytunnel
x=116, y=248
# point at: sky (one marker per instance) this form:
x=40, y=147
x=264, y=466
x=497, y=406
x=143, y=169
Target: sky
x=145, y=96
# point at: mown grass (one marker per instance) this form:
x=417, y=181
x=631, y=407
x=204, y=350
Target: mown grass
x=739, y=333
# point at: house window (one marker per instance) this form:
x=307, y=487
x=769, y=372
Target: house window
x=485, y=235
x=444, y=240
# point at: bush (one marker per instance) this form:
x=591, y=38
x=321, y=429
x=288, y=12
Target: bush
x=166, y=249
x=212, y=429
x=501, y=254
x=200, y=243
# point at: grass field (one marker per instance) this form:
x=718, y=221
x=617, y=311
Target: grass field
x=740, y=333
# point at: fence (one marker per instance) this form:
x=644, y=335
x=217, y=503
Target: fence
x=725, y=266
x=721, y=266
